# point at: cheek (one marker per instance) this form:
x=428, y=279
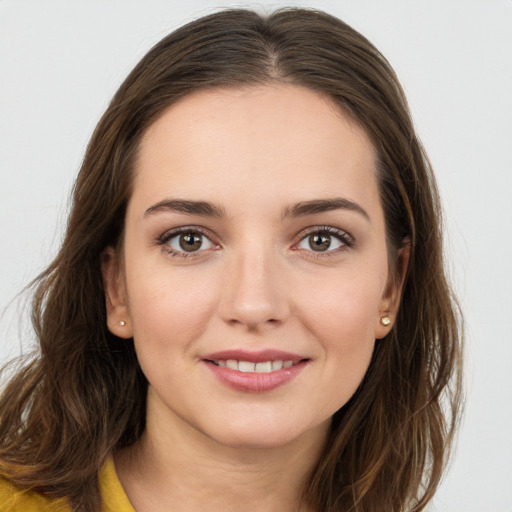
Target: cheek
x=343, y=307
x=341, y=316
x=169, y=306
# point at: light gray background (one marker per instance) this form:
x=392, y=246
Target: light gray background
x=61, y=60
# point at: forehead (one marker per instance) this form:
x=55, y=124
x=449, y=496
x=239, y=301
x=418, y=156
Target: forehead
x=263, y=140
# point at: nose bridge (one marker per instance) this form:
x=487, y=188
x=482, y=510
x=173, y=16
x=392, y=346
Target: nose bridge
x=254, y=294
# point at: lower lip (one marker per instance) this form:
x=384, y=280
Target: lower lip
x=253, y=382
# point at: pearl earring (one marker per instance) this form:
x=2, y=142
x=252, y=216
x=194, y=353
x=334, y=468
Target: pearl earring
x=385, y=320
x=122, y=323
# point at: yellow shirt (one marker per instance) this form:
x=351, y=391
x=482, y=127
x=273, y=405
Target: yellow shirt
x=113, y=497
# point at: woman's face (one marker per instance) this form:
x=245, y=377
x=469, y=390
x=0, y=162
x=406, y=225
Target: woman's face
x=254, y=240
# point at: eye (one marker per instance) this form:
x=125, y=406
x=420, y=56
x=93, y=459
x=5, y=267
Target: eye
x=186, y=242
x=326, y=239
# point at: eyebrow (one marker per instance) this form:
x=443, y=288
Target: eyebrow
x=207, y=209
x=324, y=205
x=203, y=208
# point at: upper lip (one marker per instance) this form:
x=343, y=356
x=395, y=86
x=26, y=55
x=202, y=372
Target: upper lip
x=254, y=356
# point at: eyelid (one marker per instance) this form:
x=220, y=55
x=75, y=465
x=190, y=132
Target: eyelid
x=343, y=236
x=346, y=238
x=165, y=237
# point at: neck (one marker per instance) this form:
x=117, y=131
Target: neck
x=180, y=468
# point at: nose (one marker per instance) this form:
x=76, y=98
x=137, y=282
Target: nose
x=254, y=293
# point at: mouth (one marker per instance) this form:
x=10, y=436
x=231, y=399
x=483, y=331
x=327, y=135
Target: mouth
x=255, y=372
x=251, y=367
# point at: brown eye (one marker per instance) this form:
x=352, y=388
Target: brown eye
x=319, y=242
x=326, y=239
x=189, y=242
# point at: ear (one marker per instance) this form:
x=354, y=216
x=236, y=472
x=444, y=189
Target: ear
x=390, y=302
x=118, y=313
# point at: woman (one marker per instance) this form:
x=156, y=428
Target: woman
x=249, y=306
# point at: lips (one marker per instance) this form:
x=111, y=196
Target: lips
x=254, y=357
x=250, y=367
x=255, y=372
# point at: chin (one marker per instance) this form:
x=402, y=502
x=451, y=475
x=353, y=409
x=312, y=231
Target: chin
x=268, y=435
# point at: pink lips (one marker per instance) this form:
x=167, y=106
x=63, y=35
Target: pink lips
x=255, y=382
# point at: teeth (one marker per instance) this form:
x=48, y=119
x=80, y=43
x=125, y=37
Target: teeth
x=231, y=363
x=277, y=365
x=265, y=367
x=246, y=366
x=249, y=367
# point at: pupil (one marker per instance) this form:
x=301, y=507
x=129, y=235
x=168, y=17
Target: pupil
x=190, y=242
x=319, y=242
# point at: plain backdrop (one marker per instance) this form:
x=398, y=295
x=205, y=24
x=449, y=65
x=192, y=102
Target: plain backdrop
x=61, y=61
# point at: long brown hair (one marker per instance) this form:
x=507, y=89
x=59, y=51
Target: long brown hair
x=84, y=395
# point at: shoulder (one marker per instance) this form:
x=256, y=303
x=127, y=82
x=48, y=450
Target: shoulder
x=113, y=497
x=17, y=499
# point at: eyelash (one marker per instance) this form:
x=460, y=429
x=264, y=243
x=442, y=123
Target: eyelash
x=345, y=238
x=164, y=239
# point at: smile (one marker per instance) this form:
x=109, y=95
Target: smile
x=250, y=367
x=255, y=372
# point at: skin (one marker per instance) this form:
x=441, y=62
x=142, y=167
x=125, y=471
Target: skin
x=255, y=283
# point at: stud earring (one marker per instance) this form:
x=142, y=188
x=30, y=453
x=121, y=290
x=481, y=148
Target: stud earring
x=122, y=323
x=385, y=320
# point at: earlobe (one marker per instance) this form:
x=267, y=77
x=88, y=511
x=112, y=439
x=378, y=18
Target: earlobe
x=383, y=324
x=118, y=316
x=388, y=307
